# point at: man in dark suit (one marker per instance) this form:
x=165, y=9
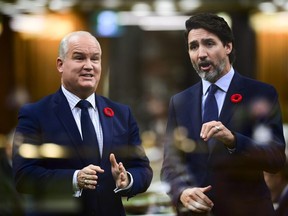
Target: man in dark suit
x=54, y=161
x=215, y=166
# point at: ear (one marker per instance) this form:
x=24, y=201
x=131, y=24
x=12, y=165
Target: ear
x=59, y=64
x=228, y=48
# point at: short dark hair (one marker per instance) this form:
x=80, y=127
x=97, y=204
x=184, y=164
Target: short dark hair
x=214, y=24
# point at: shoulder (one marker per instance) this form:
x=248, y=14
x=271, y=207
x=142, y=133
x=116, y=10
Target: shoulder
x=104, y=100
x=43, y=102
x=43, y=105
x=191, y=92
x=255, y=87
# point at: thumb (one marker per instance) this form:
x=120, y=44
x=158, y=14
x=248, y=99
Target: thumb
x=205, y=189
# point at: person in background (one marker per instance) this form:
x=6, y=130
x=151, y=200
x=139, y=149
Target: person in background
x=58, y=157
x=222, y=132
x=278, y=185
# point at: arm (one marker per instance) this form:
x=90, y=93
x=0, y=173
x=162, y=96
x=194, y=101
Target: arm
x=174, y=170
x=255, y=134
x=133, y=165
x=31, y=172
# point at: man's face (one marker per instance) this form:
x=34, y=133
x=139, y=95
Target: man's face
x=81, y=68
x=208, y=55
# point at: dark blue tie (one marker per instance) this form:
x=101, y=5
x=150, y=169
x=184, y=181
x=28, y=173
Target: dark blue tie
x=88, y=133
x=210, y=105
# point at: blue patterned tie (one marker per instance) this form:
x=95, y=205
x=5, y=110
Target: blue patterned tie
x=89, y=137
x=210, y=106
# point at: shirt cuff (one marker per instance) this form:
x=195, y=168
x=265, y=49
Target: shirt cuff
x=77, y=191
x=116, y=190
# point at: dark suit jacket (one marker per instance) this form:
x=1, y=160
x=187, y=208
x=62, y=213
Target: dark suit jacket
x=238, y=186
x=51, y=121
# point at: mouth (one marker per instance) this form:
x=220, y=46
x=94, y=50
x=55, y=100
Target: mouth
x=87, y=75
x=205, y=66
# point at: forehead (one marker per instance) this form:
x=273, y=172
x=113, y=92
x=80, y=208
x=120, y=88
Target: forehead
x=201, y=34
x=84, y=44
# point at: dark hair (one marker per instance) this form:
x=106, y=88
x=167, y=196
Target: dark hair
x=214, y=24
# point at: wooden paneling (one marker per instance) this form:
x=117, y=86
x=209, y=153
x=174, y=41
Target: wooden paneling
x=272, y=64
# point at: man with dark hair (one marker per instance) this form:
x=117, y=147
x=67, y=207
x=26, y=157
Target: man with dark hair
x=222, y=132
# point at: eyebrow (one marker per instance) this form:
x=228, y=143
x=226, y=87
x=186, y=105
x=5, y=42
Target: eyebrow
x=82, y=53
x=202, y=40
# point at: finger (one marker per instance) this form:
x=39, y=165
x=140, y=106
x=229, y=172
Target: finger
x=123, y=176
x=90, y=184
x=113, y=160
x=121, y=167
x=206, y=127
x=206, y=189
x=210, y=129
x=92, y=169
x=99, y=170
x=198, y=207
x=200, y=197
x=204, y=199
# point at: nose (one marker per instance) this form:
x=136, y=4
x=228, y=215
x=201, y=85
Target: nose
x=88, y=65
x=202, y=52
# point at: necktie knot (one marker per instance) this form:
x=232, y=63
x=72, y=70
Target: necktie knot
x=84, y=104
x=212, y=89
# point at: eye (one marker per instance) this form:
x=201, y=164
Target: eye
x=210, y=43
x=78, y=57
x=193, y=46
x=95, y=58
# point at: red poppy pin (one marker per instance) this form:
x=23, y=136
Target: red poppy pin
x=108, y=112
x=236, y=98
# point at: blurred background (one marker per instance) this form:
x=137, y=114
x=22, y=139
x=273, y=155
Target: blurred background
x=144, y=62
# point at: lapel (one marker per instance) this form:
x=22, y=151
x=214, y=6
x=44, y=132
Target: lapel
x=107, y=127
x=190, y=115
x=228, y=109
x=195, y=109
x=64, y=114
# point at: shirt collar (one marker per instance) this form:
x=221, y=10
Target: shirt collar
x=223, y=83
x=73, y=99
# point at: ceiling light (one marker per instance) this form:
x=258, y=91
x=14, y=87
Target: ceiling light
x=189, y=5
x=267, y=7
x=163, y=7
x=141, y=9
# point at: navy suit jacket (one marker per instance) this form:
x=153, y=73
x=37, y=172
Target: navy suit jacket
x=238, y=186
x=50, y=120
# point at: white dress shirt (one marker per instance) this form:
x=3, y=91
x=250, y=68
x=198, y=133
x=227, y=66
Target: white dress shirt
x=223, y=84
x=94, y=115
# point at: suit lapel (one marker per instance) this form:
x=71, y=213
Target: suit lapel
x=228, y=109
x=191, y=115
x=63, y=112
x=195, y=109
x=107, y=127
